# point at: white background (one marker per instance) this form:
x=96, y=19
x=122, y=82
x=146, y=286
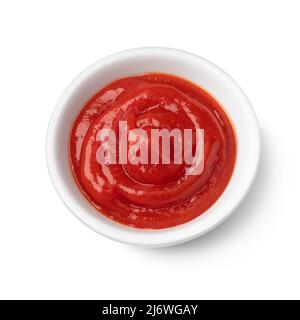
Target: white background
x=46, y=253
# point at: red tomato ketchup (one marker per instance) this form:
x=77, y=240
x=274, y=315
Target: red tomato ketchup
x=144, y=194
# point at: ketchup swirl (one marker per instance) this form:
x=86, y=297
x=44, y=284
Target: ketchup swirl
x=152, y=196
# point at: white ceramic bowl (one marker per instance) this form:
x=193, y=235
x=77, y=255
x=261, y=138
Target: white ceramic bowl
x=137, y=61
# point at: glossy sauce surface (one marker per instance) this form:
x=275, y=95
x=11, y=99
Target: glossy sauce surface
x=152, y=196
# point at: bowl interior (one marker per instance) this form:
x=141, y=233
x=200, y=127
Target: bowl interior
x=138, y=61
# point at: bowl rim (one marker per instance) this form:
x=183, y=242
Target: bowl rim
x=137, y=234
